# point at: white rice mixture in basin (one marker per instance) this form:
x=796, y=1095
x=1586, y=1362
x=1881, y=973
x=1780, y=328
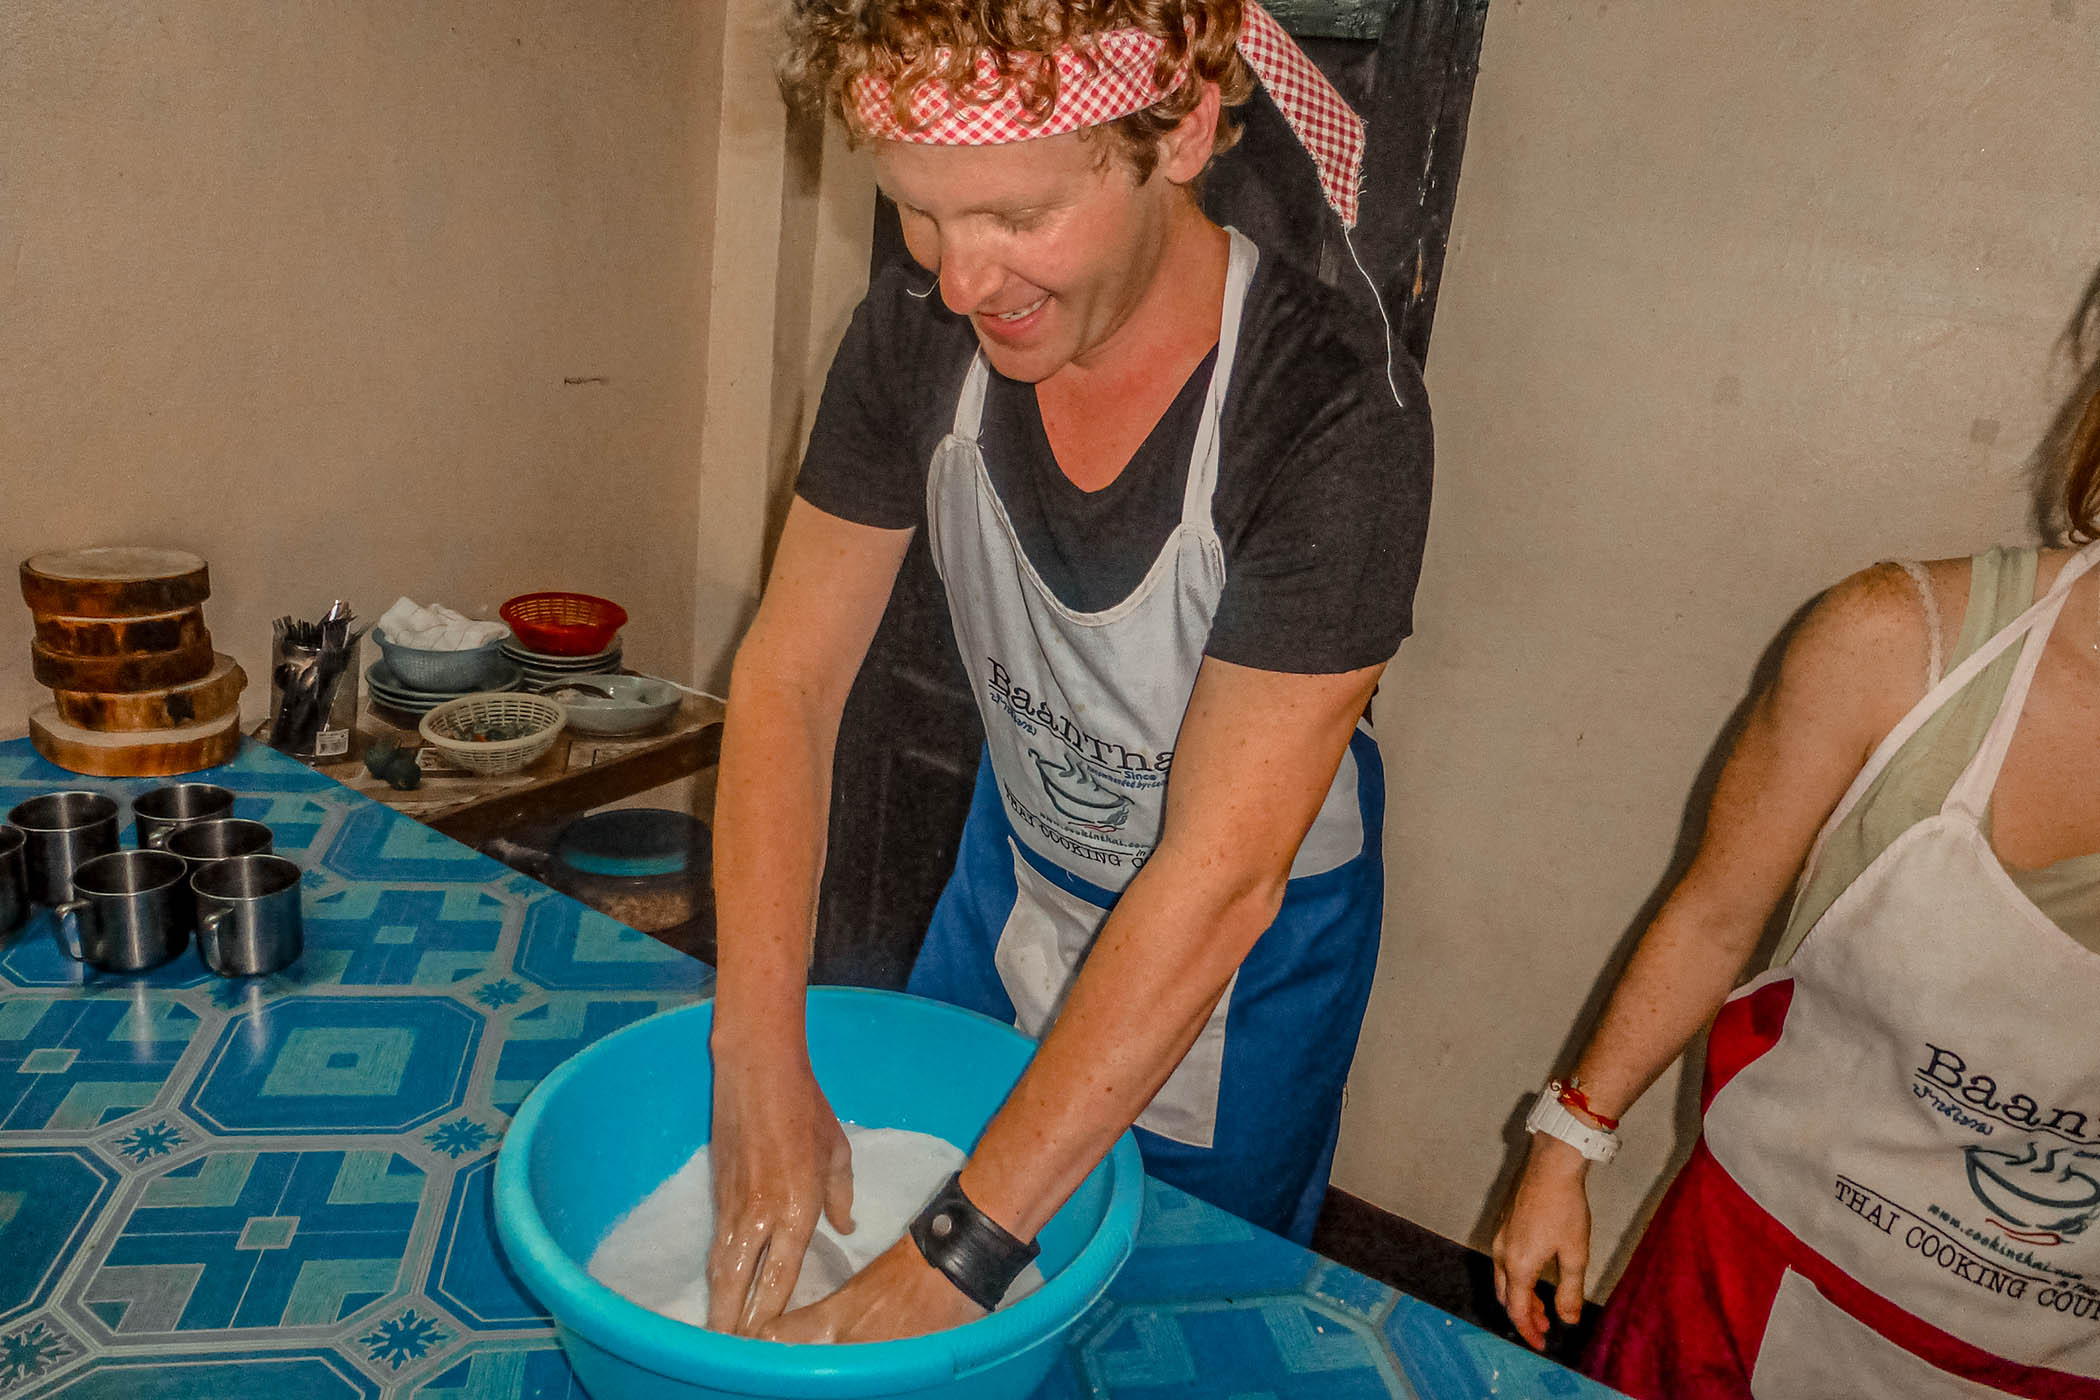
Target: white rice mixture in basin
x=656, y=1255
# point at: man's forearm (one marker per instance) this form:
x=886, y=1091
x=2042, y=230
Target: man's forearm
x=771, y=809
x=831, y=579
x=1164, y=957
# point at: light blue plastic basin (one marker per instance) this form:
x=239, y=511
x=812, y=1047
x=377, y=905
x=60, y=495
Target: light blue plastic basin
x=614, y=1122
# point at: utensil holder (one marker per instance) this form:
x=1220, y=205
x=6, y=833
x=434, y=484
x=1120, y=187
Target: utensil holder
x=333, y=738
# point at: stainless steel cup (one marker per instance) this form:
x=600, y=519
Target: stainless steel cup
x=130, y=913
x=65, y=830
x=160, y=811
x=201, y=843
x=222, y=838
x=248, y=915
x=14, y=880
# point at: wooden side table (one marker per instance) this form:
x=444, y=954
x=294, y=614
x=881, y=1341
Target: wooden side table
x=579, y=773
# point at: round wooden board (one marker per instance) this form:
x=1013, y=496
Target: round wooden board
x=113, y=581
x=158, y=755
x=143, y=670
x=172, y=707
x=116, y=636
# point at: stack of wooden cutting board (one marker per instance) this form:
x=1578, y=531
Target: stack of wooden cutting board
x=136, y=689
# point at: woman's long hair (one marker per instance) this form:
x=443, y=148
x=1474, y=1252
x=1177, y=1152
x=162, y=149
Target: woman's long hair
x=2068, y=483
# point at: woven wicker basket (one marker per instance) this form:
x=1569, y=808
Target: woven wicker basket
x=529, y=725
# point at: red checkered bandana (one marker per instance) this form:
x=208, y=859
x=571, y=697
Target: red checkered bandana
x=1112, y=75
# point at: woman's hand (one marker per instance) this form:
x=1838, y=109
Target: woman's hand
x=898, y=1295
x=780, y=1160
x=1548, y=1222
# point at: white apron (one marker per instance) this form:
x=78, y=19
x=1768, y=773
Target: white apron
x=1081, y=710
x=1928, y=1120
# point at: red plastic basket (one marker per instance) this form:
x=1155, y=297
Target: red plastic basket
x=564, y=624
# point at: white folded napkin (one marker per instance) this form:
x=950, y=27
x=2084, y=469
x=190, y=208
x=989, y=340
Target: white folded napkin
x=437, y=628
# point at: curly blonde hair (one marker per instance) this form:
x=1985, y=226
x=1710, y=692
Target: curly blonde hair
x=830, y=43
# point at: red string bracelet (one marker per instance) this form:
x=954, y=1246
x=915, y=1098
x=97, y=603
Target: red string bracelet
x=1568, y=1093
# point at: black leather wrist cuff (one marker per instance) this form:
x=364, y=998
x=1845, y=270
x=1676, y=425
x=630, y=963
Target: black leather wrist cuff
x=970, y=1247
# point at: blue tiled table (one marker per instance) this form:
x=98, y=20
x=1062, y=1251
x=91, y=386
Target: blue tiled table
x=281, y=1188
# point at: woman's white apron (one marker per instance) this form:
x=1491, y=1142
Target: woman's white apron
x=1929, y=1117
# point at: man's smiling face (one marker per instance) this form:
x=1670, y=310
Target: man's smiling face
x=1048, y=246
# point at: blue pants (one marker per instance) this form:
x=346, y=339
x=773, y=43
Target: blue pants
x=1291, y=1028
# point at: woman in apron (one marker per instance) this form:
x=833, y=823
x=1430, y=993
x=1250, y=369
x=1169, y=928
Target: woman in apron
x=1899, y=1172
x=1171, y=871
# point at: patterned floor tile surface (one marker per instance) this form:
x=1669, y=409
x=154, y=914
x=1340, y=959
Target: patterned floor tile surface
x=281, y=1187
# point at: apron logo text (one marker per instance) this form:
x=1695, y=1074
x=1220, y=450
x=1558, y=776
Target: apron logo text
x=1021, y=703
x=1869, y=1207
x=1135, y=859
x=1949, y=1110
x=1930, y=1243
x=1996, y=1244
x=1947, y=1073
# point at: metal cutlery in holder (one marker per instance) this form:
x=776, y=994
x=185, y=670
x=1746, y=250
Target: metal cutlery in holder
x=313, y=684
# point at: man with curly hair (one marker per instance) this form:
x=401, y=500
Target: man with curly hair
x=1177, y=496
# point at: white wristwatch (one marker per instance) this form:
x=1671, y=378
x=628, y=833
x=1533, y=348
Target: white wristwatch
x=1548, y=1117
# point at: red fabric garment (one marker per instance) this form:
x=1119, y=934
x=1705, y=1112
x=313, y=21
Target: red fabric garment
x=1688, y=1318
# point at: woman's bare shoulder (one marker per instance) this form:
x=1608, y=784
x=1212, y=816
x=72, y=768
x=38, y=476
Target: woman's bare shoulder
x=1862, y=655
x=1880, y=612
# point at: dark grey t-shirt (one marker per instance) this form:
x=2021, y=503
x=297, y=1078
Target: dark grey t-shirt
x=1323, y=480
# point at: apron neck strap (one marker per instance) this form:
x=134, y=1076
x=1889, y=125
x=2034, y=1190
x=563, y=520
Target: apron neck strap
x=1972, y=790
x=969, y=405
x=1202, y=480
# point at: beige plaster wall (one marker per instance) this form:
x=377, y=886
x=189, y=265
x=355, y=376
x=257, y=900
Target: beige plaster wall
x=790, y=218
x=1740, y=298
x=358, y=299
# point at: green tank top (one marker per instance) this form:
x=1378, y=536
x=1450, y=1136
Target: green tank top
x=1918, y=778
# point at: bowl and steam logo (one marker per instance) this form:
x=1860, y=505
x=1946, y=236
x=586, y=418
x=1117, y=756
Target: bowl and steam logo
x=2042, y=1195
x=1079, y=796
